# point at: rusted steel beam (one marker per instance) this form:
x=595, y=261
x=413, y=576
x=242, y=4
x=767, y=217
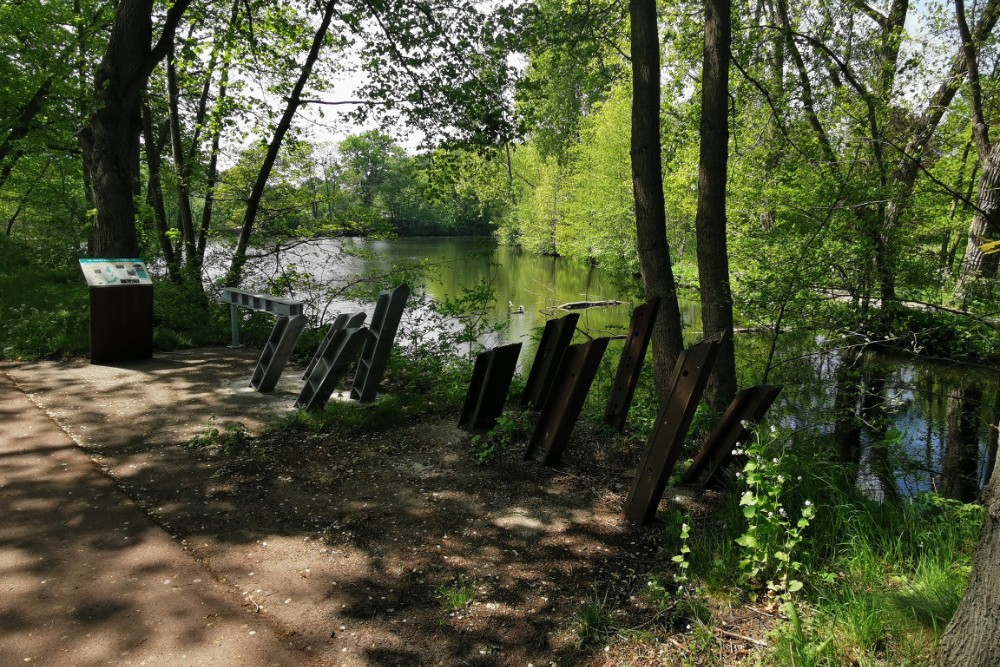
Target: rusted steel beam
x=565, y=400
x=749, y=407
x=555, y=339
x=491, y=378
x=633, y=354
x=667, y=437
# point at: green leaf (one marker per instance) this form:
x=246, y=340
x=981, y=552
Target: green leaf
x=794, y=586
x=748, y=499
x=747, y=540
x=749, y=511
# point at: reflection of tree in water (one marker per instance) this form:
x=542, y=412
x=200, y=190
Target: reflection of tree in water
x=960, y=456
x=872, y=434
x=876, y=471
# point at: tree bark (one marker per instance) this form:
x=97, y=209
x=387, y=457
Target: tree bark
x=970, y=640
x=253, y=203
x=183, y=168
x=985, y=226
x=111, y=141
x=22, y=125
x=710, y=219
x=154, y=193
x=647, y=183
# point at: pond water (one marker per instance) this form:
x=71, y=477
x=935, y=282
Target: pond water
x=908, y=424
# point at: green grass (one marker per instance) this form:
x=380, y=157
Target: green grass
x=592, y=622
x=882, y=579
x=457, y=596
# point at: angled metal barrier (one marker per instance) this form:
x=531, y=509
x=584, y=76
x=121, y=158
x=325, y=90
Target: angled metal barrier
x=375, y=356
x=277, y=351
x=565, y=399
x=264, y=303
x=329, y=366
x=748, y=407
x=491, y=379
x=634, y=353
x=341, y=322
x=555, y=339
x=663, y=447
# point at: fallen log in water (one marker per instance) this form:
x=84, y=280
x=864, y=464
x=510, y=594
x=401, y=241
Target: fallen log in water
x=578, y=305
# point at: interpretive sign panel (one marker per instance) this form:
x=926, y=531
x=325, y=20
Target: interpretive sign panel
x=114, y=272
x=121, y=309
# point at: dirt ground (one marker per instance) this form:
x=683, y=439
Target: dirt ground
x=388, y=548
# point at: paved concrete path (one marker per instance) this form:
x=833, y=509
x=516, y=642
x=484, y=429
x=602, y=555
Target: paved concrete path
x=87, y=579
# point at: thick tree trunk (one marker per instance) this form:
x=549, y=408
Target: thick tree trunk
x=970, y=640
x=111, y=141
x=647, y=183
x=710, y=220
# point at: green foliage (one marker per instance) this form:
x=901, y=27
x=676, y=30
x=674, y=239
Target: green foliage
x=511, y=428
x=771, y=535
x=879, y=580
x=230, y=439
x=185, y=316
x=457, y=596
x=391, y=410
x=593, y=622
x=798, y=643
x=43, y=304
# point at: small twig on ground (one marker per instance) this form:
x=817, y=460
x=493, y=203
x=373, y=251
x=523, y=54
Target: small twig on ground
x=756, y=642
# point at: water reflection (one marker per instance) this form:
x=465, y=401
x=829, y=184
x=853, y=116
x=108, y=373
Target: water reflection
x=901, y=425
x=904, y=425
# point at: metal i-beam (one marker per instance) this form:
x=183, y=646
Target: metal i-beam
x=491, y=379
x=633, y=354
x=375, y=356
x=340, y=323
x=565, y=399
x=277, y=351
x=327, y=369
x=555, y=339
x=667, y=437
x=749, y=407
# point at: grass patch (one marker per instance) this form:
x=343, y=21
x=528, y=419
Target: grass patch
x=457, y=596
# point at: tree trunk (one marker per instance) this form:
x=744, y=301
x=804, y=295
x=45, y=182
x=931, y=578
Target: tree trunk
x=710, y=220
x=20, y=128
x=111, y=141
x=154, y=193
x=970, y=640
x=181, y=165
x=647, y=183
x=985, y=226
x=253, y=203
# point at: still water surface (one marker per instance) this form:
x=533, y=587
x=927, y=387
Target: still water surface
x=923, y=425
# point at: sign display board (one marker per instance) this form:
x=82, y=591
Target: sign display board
x=114, y=272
